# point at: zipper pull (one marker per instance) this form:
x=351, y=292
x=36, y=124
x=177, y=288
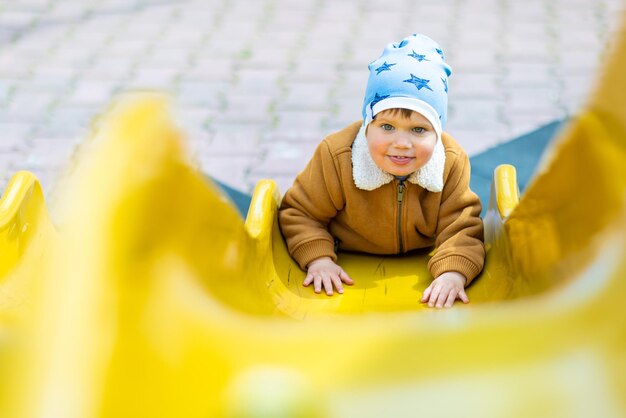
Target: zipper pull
x=400, y=192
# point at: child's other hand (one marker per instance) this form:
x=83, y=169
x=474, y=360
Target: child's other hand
x=324, y=272
x=445, y=289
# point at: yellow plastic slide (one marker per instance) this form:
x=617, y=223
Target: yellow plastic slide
x=25, y=233
x=156, y=300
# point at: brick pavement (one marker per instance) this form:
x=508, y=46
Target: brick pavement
x=261, y=82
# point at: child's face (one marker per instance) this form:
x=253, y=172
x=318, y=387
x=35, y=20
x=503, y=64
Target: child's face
x=400, y=145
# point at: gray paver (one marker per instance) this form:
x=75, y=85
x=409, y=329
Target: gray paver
x=475, y=140
x=300, y=121
x=311, y=69
x=155, y=77
x=305, y=96
x=232, y=170
x=207, y=70
x=105, y=69
x=472, y=62
x=474, y=85
x=91, y=93
x=13, y=66
x=240, y=144
x=29, y=108
x=257, y=82
x=202, y=93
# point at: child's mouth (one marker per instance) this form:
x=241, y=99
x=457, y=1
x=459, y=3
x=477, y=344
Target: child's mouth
x=400, y=160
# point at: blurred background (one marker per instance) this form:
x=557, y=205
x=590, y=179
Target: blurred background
x=257, y=84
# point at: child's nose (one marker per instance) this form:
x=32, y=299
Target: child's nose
x=402, y=141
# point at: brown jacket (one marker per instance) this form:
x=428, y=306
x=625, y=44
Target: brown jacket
x=324, y=204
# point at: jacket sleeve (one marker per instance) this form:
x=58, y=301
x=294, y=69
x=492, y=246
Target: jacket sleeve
x=459, y=242
x=308, y=206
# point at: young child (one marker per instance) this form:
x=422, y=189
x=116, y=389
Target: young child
x=391, y=183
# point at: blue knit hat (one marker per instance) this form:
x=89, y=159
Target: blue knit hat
x=411, y=74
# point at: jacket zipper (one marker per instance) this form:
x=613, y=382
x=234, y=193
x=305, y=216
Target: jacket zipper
x=400, y=198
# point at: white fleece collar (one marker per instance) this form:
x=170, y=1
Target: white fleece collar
x=368, y=176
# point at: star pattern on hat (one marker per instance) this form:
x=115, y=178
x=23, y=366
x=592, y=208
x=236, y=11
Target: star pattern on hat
x=419, y=82
x=402, y=43
x=445, y=84
x=440, y=52
x=384, y=67
x=418, y=57
x=377, y=99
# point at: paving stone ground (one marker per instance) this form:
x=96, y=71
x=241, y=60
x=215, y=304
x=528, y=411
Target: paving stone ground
x=258, y=84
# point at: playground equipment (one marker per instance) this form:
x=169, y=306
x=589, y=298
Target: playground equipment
x=25, y=231
x=156, y=299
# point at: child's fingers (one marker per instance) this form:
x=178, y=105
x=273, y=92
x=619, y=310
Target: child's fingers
x=308, y=279
x=441, y=299
x=317, y=283
x=434, y=296
x=426, y=294
x=345, y=278
x=451, y=298
x=326, y=280
x=328, y=285
x=463, y=296
x=337, y=282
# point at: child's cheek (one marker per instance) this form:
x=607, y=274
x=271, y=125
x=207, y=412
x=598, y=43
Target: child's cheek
x=423, y=153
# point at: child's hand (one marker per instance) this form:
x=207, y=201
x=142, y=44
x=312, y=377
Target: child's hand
x=324, y=271
x=445, y=289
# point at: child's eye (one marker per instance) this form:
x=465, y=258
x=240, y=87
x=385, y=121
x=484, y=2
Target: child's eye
x=386, y=127
x=419, y=130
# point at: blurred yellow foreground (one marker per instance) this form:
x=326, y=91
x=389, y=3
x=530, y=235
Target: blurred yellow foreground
x=152, y=298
